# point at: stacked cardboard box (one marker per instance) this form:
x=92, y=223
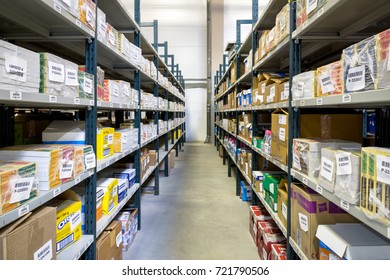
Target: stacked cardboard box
x=268, y=234
x=129, y=220
x=109, y=243
x=87, y=13
x=256, y=214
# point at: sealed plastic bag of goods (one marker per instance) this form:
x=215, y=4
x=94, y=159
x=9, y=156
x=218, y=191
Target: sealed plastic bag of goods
x=312, y=6
x=87, y=9
x=383, y=58
x=304, y=85
x=19, y=68
x=301, y=12
x=18, y=184
x=86, y=85
x=329, y=79
x=112, y=37
x=58, y=76
x=360, y=66
x=101, y=27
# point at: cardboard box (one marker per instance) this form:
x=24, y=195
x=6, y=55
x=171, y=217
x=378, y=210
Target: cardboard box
x=283, y=203
x=129, y=220
x=246, y=191
x=285, y=91
x=87, y=13
x=282, y=24
x=32, y=237
x=109, y=243
x=110, y=198
x=279, y=252
x=279, y=128
x=68, y=219
x=153, y=157
x=268, y=234
x=257, y=213
x=308, y=210
x=274, y=90
x=351, y=242
x=262, y=50
x=375, y=183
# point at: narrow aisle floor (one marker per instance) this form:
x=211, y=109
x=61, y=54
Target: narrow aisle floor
x=197, y=215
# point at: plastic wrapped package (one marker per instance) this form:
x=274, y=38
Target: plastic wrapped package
x=304, y=85
x=86, y=85
x=19, y=183
x=301, y=15
x=121, y=140
x=112, y=88
x=84, y=158
x=329, y=79
x=112, y=37
x=72, y=6
x=360, y=66
x=136, y=55
x=383, y=58
x=125, y=90
x=124, y=46
x=347, y=185
x=100, y=86
x=87, y=9
x=19, y=68
x=312, y=6
x=271, y=39
x=283, y=24
x=375, y=183
x=101, y=26
x=58, y=76
x=307, y=153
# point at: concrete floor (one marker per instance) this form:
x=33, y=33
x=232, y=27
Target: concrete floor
x=197, y=215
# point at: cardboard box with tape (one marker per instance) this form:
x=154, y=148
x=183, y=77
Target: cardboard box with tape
x=109, y=243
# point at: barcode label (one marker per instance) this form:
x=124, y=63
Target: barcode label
x=284, y=210
x=52, y=98
x=305, y=181
x=78, y=23
x=56, y=192
x=15, y=95
x=77, y=180
x=21, y=189
x=344, y=166
x=383, y=169
x=76, y=101
x=319, y=189
x=23, y=210
x=302, y=103
x=99, y=103
x=346, y=98
x=91, y=103
x=111, y=105
x=344, y=204
x=75, y=220
x=293, y=103
x=284, y=104
x=64, y=242
x=320, y=12
x=319, y=101
x=119, y=239
x=57, y=8
x=45, y=252
x=67, y=170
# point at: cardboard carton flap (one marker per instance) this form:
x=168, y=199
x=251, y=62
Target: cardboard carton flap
x=14, y=225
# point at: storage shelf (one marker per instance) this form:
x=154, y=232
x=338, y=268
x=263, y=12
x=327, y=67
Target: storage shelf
x=267, y=18
x=351, y=209
x=245, y=78
x=44, y=196
x=232, y=157
x=224, y=76
x=40, y=100
x=247, y=179
x=115, y=106
x=106, y=219
x=275, y=60
x=297, y=250
x=271, y=159
x=242, y=139
x=367, y=99
x=264, y=107
x=118, y=15
x=77, y=249
x=231, y=133
x=104, y=163
x=246, y=46
x=271, y=212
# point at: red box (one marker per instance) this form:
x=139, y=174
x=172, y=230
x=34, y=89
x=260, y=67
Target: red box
x=257, y=213
x=279, y=252
x=268, y=234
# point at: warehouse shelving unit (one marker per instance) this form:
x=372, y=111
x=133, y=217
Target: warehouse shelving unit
x=45, y=25
x=318, y=41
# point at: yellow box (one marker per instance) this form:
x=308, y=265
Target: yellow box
x=177, y=134
x=105, y=142
x=110, y=198
x=68, y=220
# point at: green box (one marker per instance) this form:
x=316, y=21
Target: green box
x=271, y=201
x=271, y=183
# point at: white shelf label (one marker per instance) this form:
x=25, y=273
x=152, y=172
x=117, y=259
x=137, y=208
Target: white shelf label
x=275, y=105
x=293, y=103
x=327, y=169
x=319, y=101
x=56, y=192
x=91, y=103
x=78, y=255
x=319, y=189
x=21, y=189
x=78, y=23
x=320, y=12
x=305, y=181
x=284, y=104
x=77, y=180
x=52, y=98
x=57, y=8
x=90, y=172
x=344, y=204
x=23, y=210
x=76, y=101
x=99, y=103
x=346, y=98
x=293, y=172
x=304, y=24
x=45, y=252
x=111, y=105
x=15, y=95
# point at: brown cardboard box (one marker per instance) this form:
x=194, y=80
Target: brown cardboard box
x=109, y=243
x=257, y=213
x=153, y=157
x=285, y=91
x=31, y=237
x=249, y=171
x=279, y=128
x=262, y=50
x=282, y=203
x=308, y=210
x=172, y=158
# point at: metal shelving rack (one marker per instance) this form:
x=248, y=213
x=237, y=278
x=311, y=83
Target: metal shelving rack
x=44, y=25
x=338, y=24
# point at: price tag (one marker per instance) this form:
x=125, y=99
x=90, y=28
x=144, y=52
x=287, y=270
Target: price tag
x=78, y=23
x=76, y=101
x=302, y=103
x=320, y=12
x=285, y=104
x=319, y=189
x=346, y=98
x=91, y=103
x=293, y=172
x=111, y=105
x=319, y=101
x=23, y=210
x=344, y=204
x=15, y=95
x=305, y=181
x=56, y=192
x=90, y=172
x=52, y=98
x=78, y=255
x=293, y=103
x=77, y=180
x=57, y=8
